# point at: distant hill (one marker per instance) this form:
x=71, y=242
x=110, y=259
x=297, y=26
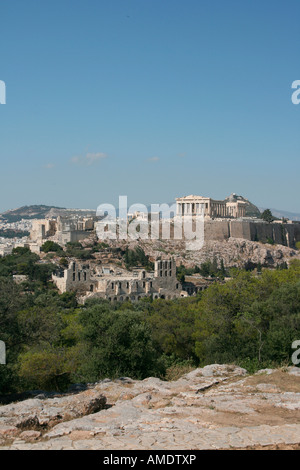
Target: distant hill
x=41, y=212
x=280, y=214
x=26, y=212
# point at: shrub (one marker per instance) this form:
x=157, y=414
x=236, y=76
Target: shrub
x=50, y=246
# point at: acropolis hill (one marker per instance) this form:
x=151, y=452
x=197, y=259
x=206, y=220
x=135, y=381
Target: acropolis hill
x=234, y=233
x=236, y=217
x=233, y=218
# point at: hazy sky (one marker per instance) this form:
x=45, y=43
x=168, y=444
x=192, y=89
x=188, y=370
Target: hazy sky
x=152, y=99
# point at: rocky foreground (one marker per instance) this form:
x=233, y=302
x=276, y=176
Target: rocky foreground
x=216, y=407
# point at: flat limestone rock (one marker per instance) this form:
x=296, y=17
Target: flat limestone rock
x=214, y=407
x=32, y=414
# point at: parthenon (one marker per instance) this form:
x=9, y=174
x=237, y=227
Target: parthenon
x=199, y=205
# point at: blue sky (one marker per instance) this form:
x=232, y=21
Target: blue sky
x=152, y=99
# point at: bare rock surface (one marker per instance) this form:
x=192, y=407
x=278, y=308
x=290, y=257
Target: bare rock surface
x=216, y=407
x=234, y=252
x=237, y=252
x=41, y=414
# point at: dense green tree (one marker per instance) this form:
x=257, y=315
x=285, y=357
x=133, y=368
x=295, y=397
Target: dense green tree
x=267, y=215
x=76, y=250
x=137, y=257
x=52, y=341
x=50, y=246
x=11, y=301
x=172, y=325
x=117, y=343
x=48, y=368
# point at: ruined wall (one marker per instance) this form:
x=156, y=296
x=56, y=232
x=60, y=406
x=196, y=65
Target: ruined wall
x=74, y=236
x=216, y=230
x=297, y=232
x=162, y=283
x=281, y=234
x=240, y=229
x=76, y=277
x=42, y=229
x=38, y=230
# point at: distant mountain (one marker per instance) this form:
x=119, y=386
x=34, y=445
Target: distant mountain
x=280, y=214
x=41, y=212
x=26, y=212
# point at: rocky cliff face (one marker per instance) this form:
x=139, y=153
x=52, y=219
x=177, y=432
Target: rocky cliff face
x=234, y=252
x=241, y=253
x=216, y=407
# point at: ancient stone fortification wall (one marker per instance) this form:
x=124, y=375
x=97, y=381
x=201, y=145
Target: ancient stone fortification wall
x=281, y=234
x=216, y=230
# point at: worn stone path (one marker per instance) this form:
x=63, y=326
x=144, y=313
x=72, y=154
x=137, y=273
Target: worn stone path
x=217, y=407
